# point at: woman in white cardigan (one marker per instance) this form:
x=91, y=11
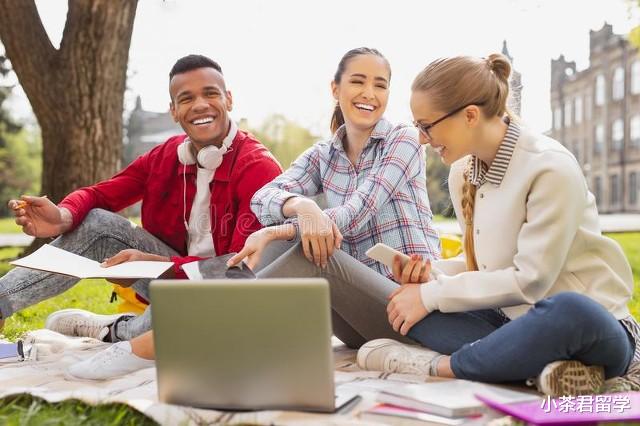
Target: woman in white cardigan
x=540, y=294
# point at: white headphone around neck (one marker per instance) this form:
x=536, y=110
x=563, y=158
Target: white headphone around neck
x=209, y=157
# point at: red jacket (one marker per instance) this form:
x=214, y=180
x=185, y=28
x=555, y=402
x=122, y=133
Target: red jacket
x=156, y=178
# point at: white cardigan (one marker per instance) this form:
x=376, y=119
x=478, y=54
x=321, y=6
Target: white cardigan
x=535, y=235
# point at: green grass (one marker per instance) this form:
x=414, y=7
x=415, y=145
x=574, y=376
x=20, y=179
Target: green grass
x=6, y=255
x=8, y=226
x=630, y=242
x=92, y=295
x=26, y=410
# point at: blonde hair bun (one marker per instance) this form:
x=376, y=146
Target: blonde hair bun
x=500, y=65
x=466, y=80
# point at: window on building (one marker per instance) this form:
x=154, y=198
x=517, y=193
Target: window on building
x=617, y=89
x=557, y=118
x=597, y=188
x=567, y=113
x=614, y=189
x=598, y=146
x=578, y=110
x=588, y=106
x=635, y=77
x=600, y=95
x=617, y=134
x=633, y=188
x=635, y=131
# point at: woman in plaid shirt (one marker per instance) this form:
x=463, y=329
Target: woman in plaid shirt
x=372, y=174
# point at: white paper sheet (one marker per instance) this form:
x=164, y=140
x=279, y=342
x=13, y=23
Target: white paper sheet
x=54, y=259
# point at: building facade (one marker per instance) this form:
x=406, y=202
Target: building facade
x=596, y=115
x=515, y=84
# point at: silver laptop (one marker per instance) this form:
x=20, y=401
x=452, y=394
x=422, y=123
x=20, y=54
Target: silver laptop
x=245, y=344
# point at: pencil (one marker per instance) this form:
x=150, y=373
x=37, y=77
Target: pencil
x=22, y=203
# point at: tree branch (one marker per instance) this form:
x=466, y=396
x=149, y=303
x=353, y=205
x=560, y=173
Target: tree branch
x=27, y=46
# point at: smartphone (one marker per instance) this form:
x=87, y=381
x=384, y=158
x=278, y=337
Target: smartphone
x=9, y=352
x=385, y=254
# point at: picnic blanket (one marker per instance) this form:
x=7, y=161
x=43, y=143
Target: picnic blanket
x=45, y=378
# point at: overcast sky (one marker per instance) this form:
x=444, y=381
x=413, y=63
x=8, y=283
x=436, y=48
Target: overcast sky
x=279, y=56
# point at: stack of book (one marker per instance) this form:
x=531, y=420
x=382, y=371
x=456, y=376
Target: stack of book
x=459, y=402
x=451, y=402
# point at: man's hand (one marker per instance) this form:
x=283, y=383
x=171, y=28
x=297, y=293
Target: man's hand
x=130, y=255
x=405, y=308
x=39, y=217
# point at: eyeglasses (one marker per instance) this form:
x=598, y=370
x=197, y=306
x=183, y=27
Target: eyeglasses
x=424, y=128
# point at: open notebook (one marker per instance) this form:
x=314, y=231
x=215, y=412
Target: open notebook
x=53, y=259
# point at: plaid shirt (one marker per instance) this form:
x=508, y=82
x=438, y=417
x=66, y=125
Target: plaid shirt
x=383, y=198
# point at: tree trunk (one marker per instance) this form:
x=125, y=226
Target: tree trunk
x=76, y=91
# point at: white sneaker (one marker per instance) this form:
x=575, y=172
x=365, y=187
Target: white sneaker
x=391, y=356
x=115, y=361
x=564, y=378
x=78, y=322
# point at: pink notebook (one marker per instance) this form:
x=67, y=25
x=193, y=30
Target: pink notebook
x=578, y=410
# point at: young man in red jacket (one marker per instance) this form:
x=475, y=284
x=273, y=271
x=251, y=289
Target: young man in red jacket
x=195, y=190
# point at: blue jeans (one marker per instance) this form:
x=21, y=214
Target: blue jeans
x=486, y=346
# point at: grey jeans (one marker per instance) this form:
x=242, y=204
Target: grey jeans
x=102, y=234
x=358, y=293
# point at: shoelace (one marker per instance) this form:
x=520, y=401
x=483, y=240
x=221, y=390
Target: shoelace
x=403, y=362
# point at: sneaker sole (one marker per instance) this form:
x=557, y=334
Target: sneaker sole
x=71, y=378
x=573, y=378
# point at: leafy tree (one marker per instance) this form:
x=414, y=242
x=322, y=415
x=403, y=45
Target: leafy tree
x=437, y=186
x=285, y=139
x=20, y=165
x=19, y=161
x=7, y=124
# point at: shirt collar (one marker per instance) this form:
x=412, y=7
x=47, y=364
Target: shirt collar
x=380, y=131
x=480, y=173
